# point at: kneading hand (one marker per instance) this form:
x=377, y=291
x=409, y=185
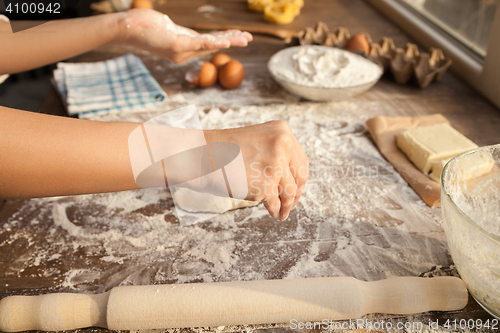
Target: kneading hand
x=276, y=165
x=155, y=32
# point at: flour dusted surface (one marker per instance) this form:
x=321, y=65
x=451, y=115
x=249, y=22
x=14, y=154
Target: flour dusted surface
x=356, y=209
x=357, y=218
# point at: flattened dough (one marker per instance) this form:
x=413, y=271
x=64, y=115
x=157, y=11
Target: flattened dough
x=196, y=202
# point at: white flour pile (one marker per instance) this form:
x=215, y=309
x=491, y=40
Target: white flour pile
x=323, y=67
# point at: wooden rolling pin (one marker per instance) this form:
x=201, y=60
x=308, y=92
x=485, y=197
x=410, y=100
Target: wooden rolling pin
x=231, y=303
x=280, y=33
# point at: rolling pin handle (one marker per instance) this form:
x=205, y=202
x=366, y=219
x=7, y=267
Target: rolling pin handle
x=52, y=312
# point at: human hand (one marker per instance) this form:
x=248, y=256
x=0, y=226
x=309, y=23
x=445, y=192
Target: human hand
x=155, y=32
x=276, y=165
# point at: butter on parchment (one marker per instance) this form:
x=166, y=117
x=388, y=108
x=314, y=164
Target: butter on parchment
x=433, y=145
x=436, y=169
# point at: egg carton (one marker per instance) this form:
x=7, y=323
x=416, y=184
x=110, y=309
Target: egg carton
x=320, y=35
x=404, y=63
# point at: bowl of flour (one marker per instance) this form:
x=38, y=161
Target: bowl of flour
x=323, y=73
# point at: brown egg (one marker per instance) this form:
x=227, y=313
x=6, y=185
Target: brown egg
x=358, y=43
x=231, y=74
x=142, y=4
x=204, y=77
x=220, y=59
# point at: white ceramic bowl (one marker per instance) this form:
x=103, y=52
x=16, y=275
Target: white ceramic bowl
x=319, y=94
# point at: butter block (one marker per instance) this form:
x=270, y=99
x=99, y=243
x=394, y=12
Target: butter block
x=437, y=169
x=429, y=146
x=475, y=165
x=470, y=168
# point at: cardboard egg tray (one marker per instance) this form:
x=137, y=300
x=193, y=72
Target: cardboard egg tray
x=402, y=62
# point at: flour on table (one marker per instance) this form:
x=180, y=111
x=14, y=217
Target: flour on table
x=208, y=9
x=357, y=217
x=355, y=209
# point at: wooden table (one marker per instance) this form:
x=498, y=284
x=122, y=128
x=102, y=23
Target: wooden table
x=53, y=245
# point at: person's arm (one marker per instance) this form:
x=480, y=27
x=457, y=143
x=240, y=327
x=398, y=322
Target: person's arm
x=54, y=41
x=144, y=28
x=42, y=155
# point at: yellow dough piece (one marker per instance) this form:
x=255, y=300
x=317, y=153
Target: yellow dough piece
x=298, y=4
x=428, y=146
x=280, y=12
x=258, y=5
x=277, y=11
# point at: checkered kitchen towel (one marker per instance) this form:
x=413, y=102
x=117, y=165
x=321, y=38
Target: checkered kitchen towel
x=116, y=85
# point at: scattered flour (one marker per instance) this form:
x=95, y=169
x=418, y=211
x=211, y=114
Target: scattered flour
x=219, y=38
x=177, y=29
x=209, y=9
x=356, y=210
x=357, y=218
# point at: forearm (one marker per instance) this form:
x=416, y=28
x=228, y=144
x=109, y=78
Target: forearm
x=45, y=155
x=42, y=155
x=56, y=40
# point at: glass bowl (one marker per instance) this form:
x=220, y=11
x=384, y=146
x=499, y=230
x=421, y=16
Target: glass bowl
x=470, y=204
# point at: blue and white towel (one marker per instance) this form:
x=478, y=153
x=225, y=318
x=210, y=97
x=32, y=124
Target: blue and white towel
x=111, y=86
